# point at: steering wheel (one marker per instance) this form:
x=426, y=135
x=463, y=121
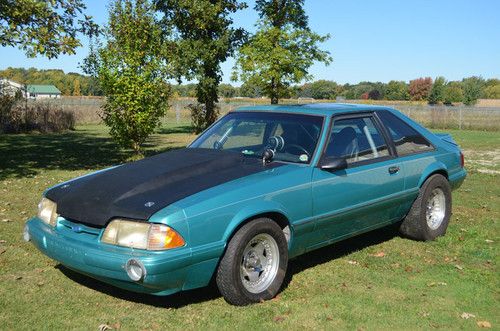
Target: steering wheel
x=297, y=147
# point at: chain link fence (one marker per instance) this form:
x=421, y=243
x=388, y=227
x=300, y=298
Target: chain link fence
x=87, y=110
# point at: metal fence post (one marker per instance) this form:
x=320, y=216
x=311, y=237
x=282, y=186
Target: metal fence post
x=460, y=118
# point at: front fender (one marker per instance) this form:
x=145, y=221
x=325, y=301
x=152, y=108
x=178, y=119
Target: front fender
x=436, y=166
x=250, y=211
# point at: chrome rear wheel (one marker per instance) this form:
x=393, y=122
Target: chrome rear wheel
x=436, y=209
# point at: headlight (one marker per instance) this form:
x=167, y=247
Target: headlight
x=141, y=235
x=47, y=211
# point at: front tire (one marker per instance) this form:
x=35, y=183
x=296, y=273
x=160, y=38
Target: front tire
x=430, y=214
x=254, y=265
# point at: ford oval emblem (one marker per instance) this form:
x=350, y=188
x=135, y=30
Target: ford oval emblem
x=149, y=204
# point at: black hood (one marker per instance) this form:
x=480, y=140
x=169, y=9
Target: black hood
x=139, y=189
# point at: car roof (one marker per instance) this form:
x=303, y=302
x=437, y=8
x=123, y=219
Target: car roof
x=313, y=108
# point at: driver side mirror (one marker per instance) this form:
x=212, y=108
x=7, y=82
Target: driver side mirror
x=333, y=163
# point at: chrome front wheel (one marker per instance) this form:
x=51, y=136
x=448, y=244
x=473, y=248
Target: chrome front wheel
x=260, y=263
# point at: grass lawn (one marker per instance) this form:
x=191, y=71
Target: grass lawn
x=375, y=281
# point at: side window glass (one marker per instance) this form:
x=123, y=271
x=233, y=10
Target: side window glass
x=356, y=139
x=407, y=140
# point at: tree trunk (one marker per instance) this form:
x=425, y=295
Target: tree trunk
x=274, y=92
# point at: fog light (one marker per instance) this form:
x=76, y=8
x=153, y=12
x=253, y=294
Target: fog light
x=26, y=233
x=135, y=270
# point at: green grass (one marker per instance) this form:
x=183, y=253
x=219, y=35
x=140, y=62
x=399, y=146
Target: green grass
x=344, y=286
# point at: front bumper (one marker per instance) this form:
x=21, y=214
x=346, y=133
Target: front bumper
x=167, y=271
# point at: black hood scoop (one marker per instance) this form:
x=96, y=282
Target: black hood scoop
x=139, y=189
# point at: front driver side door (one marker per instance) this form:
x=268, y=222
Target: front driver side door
x=366, y=194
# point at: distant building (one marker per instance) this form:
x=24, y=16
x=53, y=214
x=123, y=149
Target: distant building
x=43, y=91
x=9, y=87
x=34, y=91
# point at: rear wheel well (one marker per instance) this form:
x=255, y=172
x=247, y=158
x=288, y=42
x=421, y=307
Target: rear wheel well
x=441, y=172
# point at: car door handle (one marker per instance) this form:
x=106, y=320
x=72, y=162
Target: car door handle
x=393, y=170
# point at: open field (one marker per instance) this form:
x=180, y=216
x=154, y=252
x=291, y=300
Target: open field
x=485, y=117
x=375, y=281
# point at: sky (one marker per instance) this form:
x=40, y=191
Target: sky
x=370, y=40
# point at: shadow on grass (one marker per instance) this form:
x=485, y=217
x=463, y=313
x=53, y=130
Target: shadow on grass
x=24, y=155
x=303, y=262
x=176, y=129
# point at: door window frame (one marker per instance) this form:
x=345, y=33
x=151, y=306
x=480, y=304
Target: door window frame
x=378, y=125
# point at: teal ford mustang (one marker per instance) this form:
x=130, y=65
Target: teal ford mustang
x=260, y=186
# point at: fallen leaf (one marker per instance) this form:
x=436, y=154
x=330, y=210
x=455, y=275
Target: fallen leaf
x=459, y=267
x=116, y=326
x=6, y=220
x=278, y=319
x=484, y=324
x=2, y=250
x=104, y=327
x=352, y=262
x=2, y=241
x=466, y=316
x=431, y=284
x=19, y=277
x=489, y=241
x=379, y=254
x=425, y=314
x=328, y=318
x=40, y=284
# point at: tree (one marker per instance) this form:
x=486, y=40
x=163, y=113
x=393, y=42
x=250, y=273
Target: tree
x=420, y=88
x=322, y=89
x=436, y=95
x=76, y=88
x=132, y=72
x=492, y=92
x=227, y=91
x=282, y=50
x=250, y=90
x=397, y=90
x=472, y=88
x=203, y=40
x=452, y=93
x=46, y=28
x=374, y=95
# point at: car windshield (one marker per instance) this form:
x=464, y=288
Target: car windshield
x=292, y=137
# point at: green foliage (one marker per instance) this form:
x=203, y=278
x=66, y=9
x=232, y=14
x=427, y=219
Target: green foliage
x=202, y=37
x=320, y=89
x=452, y=93
x=46, y=28
x=282, y=50
x=492, y=92
x=64, y=82
x=472, y=88
x=397, y=90
x=437, y=92
x=250, y=90
x=227, y=91
x=132, y=72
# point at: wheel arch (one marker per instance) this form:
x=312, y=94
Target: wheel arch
x=276, y=214
x=433, y=169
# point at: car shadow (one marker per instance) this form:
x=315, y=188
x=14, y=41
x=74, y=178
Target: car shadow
x=210, y=292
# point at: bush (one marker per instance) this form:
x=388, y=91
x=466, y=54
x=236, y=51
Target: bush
x=199, y=116
x=40, y=117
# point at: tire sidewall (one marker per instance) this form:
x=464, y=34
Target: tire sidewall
x=249, y=231
x=436, y=181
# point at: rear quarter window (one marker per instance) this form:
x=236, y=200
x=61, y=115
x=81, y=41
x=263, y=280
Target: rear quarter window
x=406, y=139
